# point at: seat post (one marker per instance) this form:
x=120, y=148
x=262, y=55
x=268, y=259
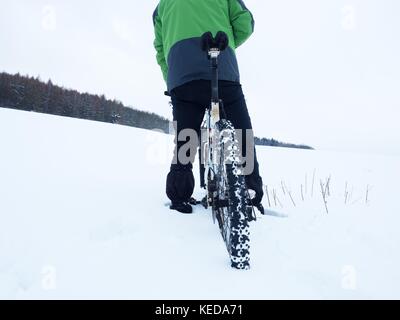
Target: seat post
x=214, y=53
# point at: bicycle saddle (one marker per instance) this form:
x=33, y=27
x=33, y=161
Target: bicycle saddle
x=220, y=42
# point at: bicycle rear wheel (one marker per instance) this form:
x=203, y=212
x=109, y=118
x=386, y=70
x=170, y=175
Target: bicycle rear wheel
x=230, y=206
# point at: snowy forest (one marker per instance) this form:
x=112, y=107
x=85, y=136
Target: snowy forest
x=31, y=94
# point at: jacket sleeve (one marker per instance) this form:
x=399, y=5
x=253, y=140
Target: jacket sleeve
x=242, y=21
x=158, y=44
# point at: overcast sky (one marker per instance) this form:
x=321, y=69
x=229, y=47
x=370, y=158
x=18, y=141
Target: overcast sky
x=324, y=73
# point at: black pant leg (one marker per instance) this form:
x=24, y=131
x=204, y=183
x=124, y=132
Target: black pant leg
x=188, y=115
x=236, y=111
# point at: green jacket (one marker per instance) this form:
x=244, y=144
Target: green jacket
x=179, y=25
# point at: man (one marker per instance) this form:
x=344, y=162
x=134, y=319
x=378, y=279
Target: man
x=179, y=25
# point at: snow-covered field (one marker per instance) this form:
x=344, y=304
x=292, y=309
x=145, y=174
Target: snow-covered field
x=83, y=215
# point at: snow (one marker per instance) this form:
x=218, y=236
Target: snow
x=83, y=215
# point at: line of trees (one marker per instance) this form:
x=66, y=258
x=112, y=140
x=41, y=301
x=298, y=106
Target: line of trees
x=275, y=143
x=31, y=94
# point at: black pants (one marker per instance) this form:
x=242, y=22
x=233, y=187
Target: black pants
x=189, y=104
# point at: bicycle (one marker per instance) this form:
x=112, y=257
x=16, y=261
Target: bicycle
x=220, y=167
